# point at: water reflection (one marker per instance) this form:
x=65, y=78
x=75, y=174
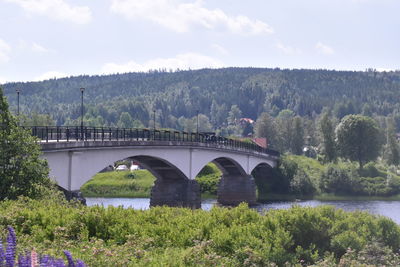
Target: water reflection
x=386, y=208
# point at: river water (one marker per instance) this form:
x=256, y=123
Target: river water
x=389, y=209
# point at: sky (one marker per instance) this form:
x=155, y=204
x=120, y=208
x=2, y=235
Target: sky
x=43, y=39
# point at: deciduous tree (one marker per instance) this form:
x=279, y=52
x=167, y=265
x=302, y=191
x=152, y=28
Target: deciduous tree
x=22, y=171
x=358, y=138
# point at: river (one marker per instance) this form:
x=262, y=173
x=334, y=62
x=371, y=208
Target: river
x=389, y=209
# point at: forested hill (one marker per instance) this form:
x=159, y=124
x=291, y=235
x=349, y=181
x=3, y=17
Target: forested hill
x=212, y=92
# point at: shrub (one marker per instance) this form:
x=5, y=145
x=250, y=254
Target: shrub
x=337, y=180
x=301, y=184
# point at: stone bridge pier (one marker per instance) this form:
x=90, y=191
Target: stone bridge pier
x=176, y=193
x=236, y=185
x=234, y=189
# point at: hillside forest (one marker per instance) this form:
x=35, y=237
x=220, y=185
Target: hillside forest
x=289, y=103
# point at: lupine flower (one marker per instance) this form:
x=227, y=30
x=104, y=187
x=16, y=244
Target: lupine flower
x=69, y=258
x=11, y=246
x=34, y=259
x=2, y=255
x=31, y=259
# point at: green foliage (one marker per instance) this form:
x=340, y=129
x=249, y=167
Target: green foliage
x=301, y=184
x=358, y=138
x=212, y=92
x=165, y=236
x=327, y=131
x=265, y=127
x=338, y=180
x=36, y=119
x=22, y=171
x=208, y=179
x=392, y=150
x=298, y=136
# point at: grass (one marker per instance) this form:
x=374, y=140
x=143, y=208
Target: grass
x=119, y=184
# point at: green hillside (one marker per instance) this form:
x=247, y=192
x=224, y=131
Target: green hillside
x=211, y=91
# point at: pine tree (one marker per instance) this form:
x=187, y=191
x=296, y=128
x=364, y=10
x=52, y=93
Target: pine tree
x=22, y=171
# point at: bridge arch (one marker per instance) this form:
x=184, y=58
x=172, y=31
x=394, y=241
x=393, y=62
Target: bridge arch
x=174, y=164
x=268, y=181
x=159, y=167
x=71, y=169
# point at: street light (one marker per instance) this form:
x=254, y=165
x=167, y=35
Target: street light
x=18, y=91
x=82, y=90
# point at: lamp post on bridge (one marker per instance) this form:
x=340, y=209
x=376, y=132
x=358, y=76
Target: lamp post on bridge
x=82, y=90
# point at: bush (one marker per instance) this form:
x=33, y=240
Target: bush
x=301, y=184
x=182, y=237
x=338, y=180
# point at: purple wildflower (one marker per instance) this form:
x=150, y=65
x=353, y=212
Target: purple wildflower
x=11, y=246
x=2, y=255
x=69, y=258
x=8, y=259
x=58, y=263
x=24, y=261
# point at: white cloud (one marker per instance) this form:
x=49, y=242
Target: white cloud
x=51, y=75
x=287, y=49
x=56, y=9
x=181, y=61
x=180, y=17
x=38, y=48
x=324, y=49
x=220, y=49
x=4, y=51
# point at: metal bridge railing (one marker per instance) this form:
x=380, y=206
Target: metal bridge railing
x=77, y=133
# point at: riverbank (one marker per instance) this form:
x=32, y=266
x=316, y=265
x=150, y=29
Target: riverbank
x=325, y=197
x=138, y=184
x=239, y=236
x=298, y=177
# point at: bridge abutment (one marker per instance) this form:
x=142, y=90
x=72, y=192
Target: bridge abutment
x=176, y=193
x=234, y=189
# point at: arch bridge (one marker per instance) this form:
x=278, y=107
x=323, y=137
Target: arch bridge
x=76, y=154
